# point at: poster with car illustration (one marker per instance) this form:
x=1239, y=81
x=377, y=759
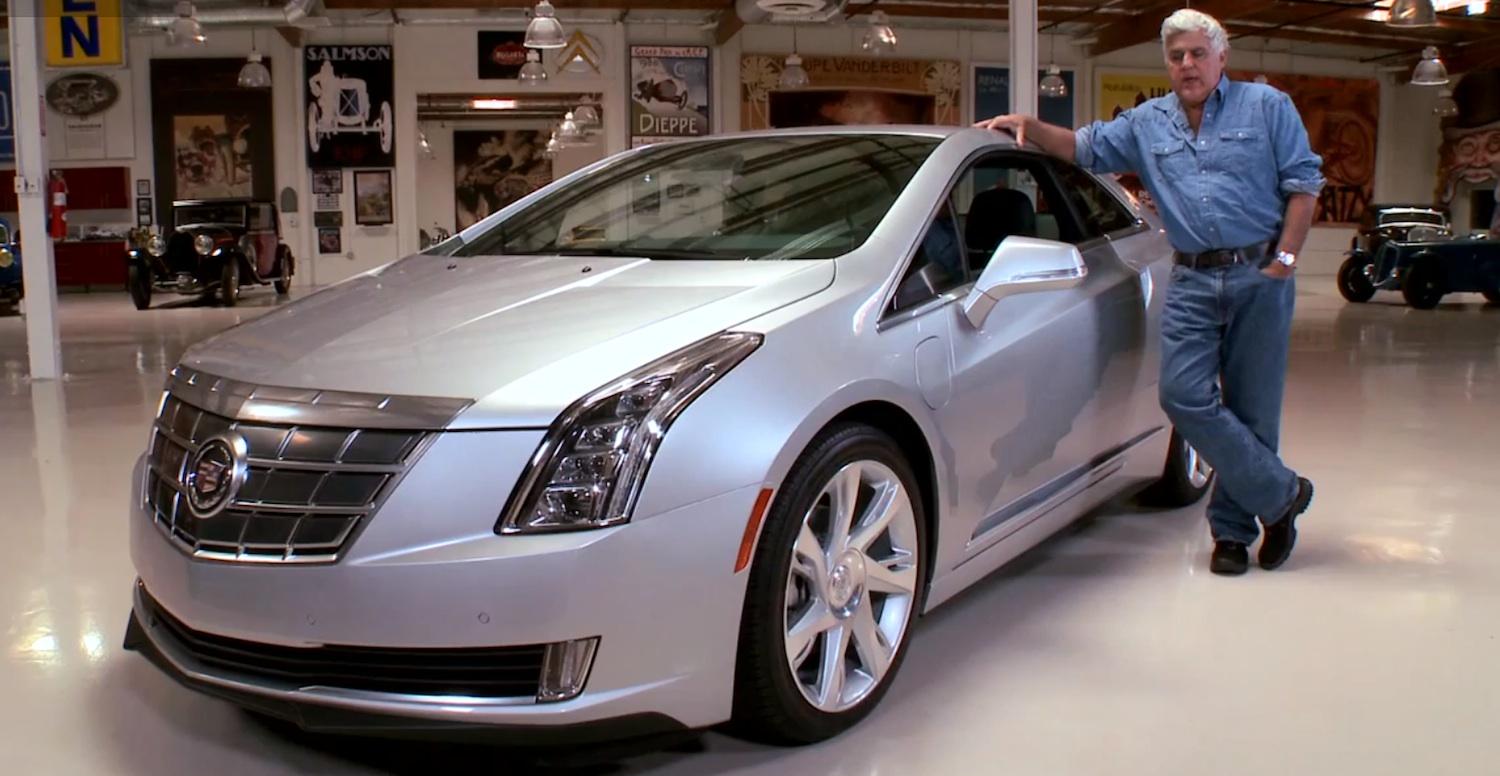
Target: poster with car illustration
x=349, y=118
x=211, y=156
x=669, y=93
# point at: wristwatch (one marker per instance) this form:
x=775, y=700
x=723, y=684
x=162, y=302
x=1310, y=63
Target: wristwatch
x=1287, y=259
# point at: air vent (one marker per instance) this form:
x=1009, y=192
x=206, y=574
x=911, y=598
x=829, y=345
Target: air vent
x=791, y=7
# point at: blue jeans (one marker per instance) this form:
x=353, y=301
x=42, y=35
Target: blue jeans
x=1225, y=335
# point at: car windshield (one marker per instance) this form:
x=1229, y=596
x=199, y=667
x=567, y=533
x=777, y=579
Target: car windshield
x=190, y=215
x=1412, y=217
x=764, y=198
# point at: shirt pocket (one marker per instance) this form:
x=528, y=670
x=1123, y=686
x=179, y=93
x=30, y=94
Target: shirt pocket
x=1173, y=158
x=1241, y=148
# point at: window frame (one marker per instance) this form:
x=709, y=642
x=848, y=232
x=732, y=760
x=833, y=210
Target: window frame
x=1138, y=225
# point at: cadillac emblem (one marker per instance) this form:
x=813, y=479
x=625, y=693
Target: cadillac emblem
x=214, y=474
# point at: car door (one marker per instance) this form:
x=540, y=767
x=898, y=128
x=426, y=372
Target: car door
x=1037, y=385
x=262, y=231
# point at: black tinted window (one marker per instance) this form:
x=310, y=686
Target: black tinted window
x=1102, y=214
x=938, y=264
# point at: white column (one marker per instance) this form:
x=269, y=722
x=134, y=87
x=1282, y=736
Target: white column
x=38, y=265
x=1023, y=61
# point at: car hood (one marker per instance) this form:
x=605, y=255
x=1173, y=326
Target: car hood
x=523, y=337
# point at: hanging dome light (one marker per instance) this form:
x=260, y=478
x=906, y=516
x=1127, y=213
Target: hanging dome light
x=1412, y=13
x=793, y=75
x=254, y=75
x=1430, y=71
x=544, y=31
x=552, y=147
x=423, y=146
x=532, y=73
x=568, y=132
x=1446, y=107
x=587, y=117
x=1052, y=84
x=185, y=29
x=879, y=38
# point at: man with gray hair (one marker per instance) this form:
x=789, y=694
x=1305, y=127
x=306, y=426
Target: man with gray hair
x=1230, y=169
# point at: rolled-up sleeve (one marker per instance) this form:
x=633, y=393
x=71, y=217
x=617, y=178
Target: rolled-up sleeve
x=1299, y=170
x=1108, y=146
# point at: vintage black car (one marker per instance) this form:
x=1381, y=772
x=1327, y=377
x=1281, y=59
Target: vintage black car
x=215, y=247
x=11, y=286
x=1412, y=249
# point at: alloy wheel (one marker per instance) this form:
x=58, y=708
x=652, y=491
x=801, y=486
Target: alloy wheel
x=852, y=585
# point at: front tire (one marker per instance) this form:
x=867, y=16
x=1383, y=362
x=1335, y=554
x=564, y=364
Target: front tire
x=139, y=283
x=1423, y=286
x=836, y=582
x=229, y=283
x=1185, y=478
x=1354, y=284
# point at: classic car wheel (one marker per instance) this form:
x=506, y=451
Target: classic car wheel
x=1354, y=284
x=139, y=283
x=1423, y=286
x=837, y=578
x=283, y=279
x=229, y=284
x=1184, y=479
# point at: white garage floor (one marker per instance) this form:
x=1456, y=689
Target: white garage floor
x=1109, y=650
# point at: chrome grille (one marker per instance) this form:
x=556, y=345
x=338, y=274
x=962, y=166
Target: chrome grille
x=306, y=491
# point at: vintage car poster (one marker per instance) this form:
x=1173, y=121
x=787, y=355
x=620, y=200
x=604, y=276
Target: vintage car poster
x=349, y=118
x=1341, y=116
x=493, y=168
x=372, y=198
x=850, y=90
x=992, y=96
x=208, y=156
x=1120, y=91
x=669, y=93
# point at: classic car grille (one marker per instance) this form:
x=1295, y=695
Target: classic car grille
x=477, y=672
x=305, y=493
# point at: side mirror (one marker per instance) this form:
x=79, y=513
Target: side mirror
x=1023, y=265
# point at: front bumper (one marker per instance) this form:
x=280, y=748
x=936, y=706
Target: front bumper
x=428, y=572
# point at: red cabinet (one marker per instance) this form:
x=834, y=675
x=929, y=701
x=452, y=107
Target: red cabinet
x=93, y=263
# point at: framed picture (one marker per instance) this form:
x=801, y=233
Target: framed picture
x=324, y=219
x=330, y=241
x=670, y=93
x=328, y=181
x=143, y=187
x=495, y=167
x=143, y=210
x=372, y=197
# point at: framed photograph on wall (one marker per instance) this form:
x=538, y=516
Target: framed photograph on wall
x=324, y=219
x=330, y=241
x=143, y=187
x=143, y=210
x=372, y=198
x=328, y=181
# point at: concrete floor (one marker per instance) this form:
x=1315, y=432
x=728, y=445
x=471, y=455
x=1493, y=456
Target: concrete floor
x=1108, y=650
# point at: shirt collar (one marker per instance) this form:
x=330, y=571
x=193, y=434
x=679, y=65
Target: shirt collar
x=1173, y=104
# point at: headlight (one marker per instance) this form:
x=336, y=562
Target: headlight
x=156, y=246
x=589, y=470
x=203, y=244
x=247, y=247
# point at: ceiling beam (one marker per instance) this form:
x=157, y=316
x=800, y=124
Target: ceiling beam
x=730, y=25
x=561, y=5
x=1146, y=25
x=294, y=36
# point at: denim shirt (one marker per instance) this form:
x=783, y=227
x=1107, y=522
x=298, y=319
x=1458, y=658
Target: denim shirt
x=1227, y=186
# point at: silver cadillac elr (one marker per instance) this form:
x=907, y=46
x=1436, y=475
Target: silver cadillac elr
x=688, y=437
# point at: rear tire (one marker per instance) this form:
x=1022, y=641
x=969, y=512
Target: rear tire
x=1185, y=478
x=1354, y=284
x=283, y=280
x=1423, y=286
x=850, y=635
x=139, y=283
x=229, y=283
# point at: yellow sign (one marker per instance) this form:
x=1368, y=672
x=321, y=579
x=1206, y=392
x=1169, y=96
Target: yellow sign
x=1119, y=92
x=83, y=33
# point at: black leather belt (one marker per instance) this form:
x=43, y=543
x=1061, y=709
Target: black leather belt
x=1258, y=255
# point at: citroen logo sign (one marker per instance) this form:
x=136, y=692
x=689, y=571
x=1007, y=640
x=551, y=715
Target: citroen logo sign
x=214, y=474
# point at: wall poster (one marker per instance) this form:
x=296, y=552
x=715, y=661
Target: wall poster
x=501, y=53
x=669, y=93
x=493, y=168
x=372, y=198
x=992, y=96
x=850, y=90
x=349, y=94
x=206, y=162
x=208, y=140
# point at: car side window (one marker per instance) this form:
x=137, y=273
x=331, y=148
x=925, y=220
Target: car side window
x=1101, y=212
x=938, y=264
x=1009, y=195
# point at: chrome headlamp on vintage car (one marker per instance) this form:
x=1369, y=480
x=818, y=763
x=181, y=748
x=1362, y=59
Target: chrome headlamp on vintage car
x=156, y=246
x=588, y=471
x=203, y=244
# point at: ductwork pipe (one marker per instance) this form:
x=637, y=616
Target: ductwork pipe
x=291, y=13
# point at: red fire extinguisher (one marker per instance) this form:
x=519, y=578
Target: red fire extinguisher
x=57, y=213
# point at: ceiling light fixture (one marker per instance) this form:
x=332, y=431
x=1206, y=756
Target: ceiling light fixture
x=1052, y=84
x=544, y=31
x=1412, y=13
x=879, y=38
x=793, y=75
x=1430, y=71
x=1446, y=107
x=254, y=74
x=185, y=29
x=532, y=73
x=587, y=116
